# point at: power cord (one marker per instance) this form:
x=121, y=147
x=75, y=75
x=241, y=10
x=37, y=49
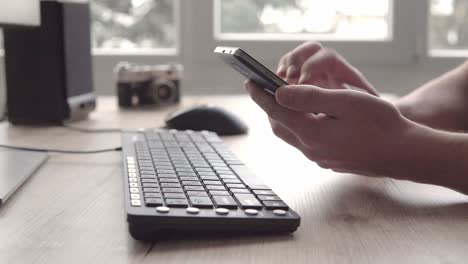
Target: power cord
x=87, y=130
x=61, y=150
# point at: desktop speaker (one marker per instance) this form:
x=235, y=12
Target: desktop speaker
x=49, y=68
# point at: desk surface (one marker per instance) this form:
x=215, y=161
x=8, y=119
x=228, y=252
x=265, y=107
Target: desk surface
x=72, y=211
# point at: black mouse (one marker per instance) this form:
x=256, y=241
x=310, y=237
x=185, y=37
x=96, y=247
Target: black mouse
x=206, y=117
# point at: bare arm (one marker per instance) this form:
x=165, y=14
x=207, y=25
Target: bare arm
x=441, y=103
x=438, y=157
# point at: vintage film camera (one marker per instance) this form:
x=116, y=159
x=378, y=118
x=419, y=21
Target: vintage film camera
x=148, y=85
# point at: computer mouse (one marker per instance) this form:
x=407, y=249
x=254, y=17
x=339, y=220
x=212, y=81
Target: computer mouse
x=206, y=117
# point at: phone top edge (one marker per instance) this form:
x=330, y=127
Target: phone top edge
x=226, y=50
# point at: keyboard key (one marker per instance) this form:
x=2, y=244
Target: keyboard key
x=201, y=202
x=136, y=202
x=172, y=190
x=224, y=176
x=134, y=190
x=212, y=183
x=272, y=205
x=150, y=185
x=263, y=192
x=194, y=188
x=174, y=195
x=269, y=198
x=162, y=163
x=166, y=171
x=205, y=169
x=196, y=193
x=174, y=180
x=189, y=174
x=216, y=187
x=146, y=176
x=236, y=181
x=220, y=166
x=206, y=173
x=227, y=173
x=170, y=185
x=146, y=172
x=219, y=193
x=191, y=178
x=149, y=180
x=225, y=201
x=167, y=175
x=163, y=167
x=191, y=183
x=235, y=185
x=209, y=178
x=177, y=202
x=156, y=190
x=153, y=195
x=201, y=164
x=247, y=201
x=239, y=191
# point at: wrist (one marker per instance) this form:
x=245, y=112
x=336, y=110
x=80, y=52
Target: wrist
x=435, y=157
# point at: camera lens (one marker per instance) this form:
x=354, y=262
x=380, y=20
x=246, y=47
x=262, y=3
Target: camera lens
x=163, y=90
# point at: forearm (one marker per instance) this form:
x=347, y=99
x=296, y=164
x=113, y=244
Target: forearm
x=437, y=157
x=441, y=103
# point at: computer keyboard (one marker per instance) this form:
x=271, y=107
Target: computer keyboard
x=186, y=182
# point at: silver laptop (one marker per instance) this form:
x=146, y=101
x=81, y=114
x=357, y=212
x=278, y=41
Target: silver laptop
x=15, y=168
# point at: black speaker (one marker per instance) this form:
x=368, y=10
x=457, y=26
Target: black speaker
x=49, y=68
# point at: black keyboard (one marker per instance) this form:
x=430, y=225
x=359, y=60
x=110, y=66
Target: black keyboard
x=185, y=182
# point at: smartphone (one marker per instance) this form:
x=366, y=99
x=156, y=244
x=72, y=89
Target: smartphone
x=250, y=68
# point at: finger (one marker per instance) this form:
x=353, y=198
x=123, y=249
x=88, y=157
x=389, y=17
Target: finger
x=327, y=61
x=293, y=62
x=313, y=99
x=285, y=134
x=281, y=71
x=295, y=121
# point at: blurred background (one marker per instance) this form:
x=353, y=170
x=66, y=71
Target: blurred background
x=398, y=44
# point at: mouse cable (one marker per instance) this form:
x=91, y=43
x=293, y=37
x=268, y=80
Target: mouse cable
x=61, y=150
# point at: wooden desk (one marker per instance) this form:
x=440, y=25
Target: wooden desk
x=72, y=211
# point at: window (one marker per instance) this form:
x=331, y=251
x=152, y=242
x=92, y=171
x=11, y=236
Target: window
x=448, y=28
x=382, y=35
x=132, y=26
x=303, y=19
